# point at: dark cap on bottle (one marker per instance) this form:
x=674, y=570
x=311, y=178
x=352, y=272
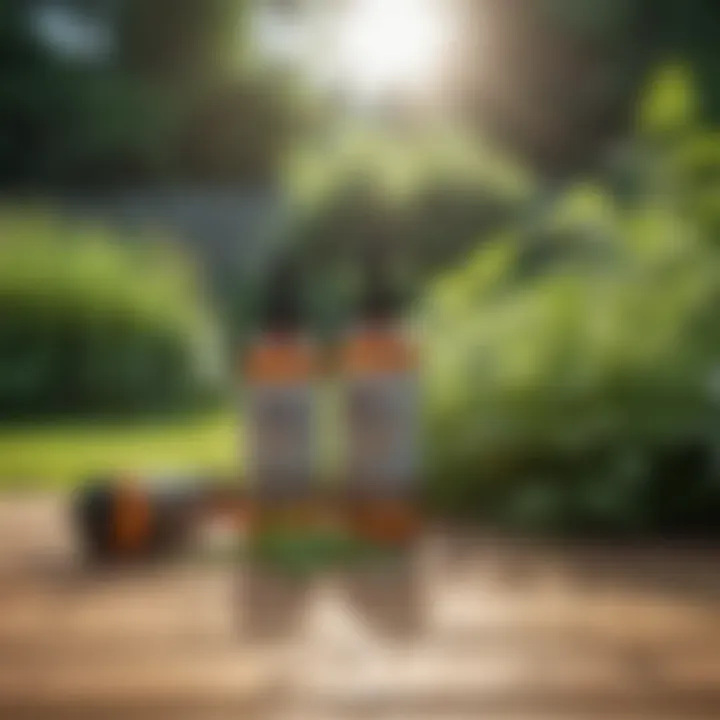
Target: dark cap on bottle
x=281, y=310
x=381, y=300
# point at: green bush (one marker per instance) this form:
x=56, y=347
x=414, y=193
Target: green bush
x=425, y=198
x=92, y=324
x=582, y=394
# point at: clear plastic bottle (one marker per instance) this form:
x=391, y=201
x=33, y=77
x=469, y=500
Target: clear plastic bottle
x=280, y=373
x=381, y=400
x=382, y=457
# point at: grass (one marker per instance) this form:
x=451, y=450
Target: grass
x=61, y=456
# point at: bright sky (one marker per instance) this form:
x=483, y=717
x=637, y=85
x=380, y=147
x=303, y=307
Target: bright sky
x=368, y=49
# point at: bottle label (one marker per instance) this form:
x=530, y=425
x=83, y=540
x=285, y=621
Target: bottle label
x=383, y=433
x=280, y=434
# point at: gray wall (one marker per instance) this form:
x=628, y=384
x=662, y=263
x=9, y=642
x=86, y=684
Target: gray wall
x=230, y=233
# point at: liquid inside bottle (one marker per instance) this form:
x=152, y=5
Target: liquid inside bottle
x=280, y=392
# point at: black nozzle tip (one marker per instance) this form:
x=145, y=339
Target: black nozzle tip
x=381, y=300
x=282, y=308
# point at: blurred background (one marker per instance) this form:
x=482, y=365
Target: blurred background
x=546, y=173
x=544, y=178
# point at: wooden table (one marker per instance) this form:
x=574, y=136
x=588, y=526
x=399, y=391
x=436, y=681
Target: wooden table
x=508, y=631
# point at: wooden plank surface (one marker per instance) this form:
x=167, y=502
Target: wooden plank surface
x=503, y=631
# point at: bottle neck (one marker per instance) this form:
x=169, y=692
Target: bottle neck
x=283, y=336
x=376, y=325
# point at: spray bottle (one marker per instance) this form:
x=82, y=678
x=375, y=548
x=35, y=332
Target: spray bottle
x=382, y=470
x=381, y=403
x=279, y=372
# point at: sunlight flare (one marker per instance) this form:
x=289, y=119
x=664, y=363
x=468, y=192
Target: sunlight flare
x=391, y=45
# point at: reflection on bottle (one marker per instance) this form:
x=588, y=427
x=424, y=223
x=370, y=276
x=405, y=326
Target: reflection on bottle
x=386, y=597
x=380, y=380
x=273, y=605
x=279, y=373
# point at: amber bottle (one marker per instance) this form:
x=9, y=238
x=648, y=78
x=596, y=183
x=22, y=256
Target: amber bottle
x=380, y=363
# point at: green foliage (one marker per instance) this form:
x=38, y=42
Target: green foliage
x=671, y=103
x=89, y=325
x=180, y=103
x=68, y=123
x=581, y=393
x=238, y=131
x=425, y=198
x=687, y=29
x=183, y=42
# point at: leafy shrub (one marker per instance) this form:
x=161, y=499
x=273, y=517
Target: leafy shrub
x=582, y=393
x=90, y=324
x=426, y=199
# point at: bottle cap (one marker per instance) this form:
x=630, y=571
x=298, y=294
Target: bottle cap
x=281, y=310
x=381, y=301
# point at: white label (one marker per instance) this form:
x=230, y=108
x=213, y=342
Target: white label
x=281, y=453
x=383, y=425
